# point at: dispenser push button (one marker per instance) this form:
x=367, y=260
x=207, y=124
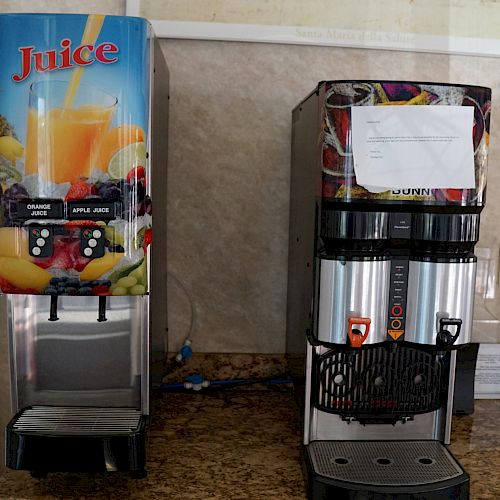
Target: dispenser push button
x=92, y=242
x=40, y=242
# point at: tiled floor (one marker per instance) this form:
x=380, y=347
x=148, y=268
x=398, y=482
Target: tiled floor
x=242, y=443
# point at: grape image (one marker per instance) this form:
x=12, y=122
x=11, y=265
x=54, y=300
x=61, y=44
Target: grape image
x=15, y=193
x=109, y=191
x=131, y=281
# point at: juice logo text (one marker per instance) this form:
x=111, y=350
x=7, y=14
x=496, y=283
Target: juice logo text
x=67, y=57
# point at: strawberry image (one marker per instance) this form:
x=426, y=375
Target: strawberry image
x=66, y=255
x=148, y=237
x=453, y=194
x=81, y=223
x=137, y=173
x=329, y=157
x=101, y=290
x=329, y=188
x=79, y=261
x=7, y=287
x=79, y=190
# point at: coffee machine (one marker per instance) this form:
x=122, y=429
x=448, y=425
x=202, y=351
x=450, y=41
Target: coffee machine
x=83, y=138
x=387, y=183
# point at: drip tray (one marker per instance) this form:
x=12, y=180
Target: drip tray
x=45, y=439
x=70, y=420
x=384, y=463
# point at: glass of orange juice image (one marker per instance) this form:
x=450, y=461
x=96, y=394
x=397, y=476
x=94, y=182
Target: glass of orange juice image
x=62, y=144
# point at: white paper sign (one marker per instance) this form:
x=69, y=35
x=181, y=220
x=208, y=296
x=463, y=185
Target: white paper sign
x=413, y=147
x=487, y=380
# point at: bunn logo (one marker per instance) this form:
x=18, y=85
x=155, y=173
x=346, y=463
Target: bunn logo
x=50, y=60
x=412, y=192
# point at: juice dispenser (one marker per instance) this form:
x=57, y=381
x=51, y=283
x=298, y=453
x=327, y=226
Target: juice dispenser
x=387, y=184
x=80, y=98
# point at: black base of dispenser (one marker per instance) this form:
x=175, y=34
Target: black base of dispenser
x=383, y=470
x=44, y=439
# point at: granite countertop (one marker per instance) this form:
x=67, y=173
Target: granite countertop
x=242, y=443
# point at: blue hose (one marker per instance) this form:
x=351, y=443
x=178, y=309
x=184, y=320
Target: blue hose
x=229, y=382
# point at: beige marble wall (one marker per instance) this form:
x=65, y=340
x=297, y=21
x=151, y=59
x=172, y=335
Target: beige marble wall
x=229, y=170
x=116, y=7
x=229, y=173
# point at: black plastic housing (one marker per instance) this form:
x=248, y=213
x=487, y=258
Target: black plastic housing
x=41, y=453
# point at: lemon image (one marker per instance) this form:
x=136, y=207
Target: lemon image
x=127, y=158
x=11, y=148
x=116, y=139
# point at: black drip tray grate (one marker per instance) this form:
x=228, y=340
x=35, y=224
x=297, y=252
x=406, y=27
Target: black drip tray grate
x=384, y=463
x=68, y=420
x=77, y=439
x=379, y=380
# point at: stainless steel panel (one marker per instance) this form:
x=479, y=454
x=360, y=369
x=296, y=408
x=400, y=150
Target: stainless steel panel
x=158, y=153
x=449, y=401
x=326, y=426
x=352, y=289
x=308, y=394
x=5, y=378
x=439, y=290
x=78, y=360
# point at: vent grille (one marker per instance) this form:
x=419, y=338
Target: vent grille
x=384, y=463
x=65, y=420
x=378, y=380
